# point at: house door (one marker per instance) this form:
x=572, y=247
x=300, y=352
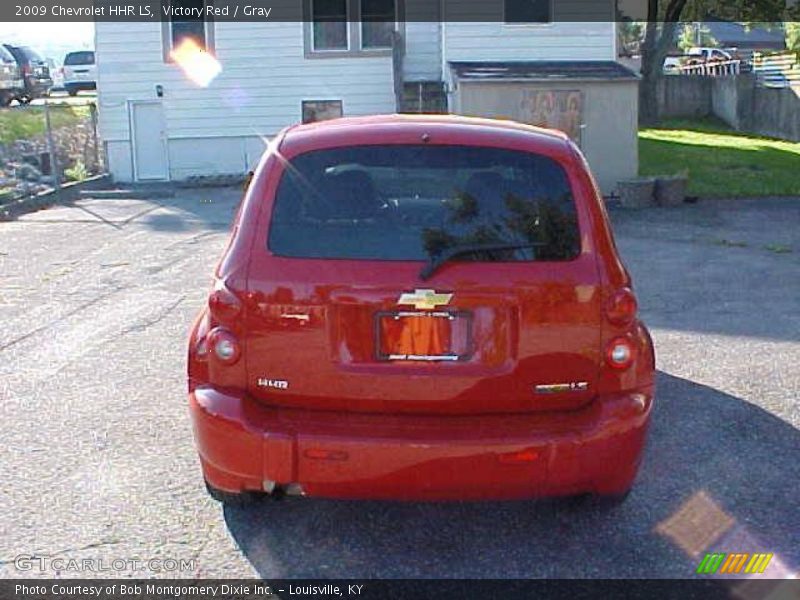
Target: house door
x=148, y=136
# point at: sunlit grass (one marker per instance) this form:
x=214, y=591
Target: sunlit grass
x=29, y=121
x=720, y=162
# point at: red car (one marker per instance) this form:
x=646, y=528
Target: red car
x=420, y=308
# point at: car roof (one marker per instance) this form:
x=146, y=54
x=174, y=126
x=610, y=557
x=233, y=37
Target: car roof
x=397, y=128
x=25, y=51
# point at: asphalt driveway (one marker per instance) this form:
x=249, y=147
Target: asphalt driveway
x=98, y=460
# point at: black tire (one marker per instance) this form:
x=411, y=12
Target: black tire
x=72, y=92
x=603, y=502
x=6, y=101
x=611, y=500
x=232, y=498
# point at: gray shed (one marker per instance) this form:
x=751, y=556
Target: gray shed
x=594, y=102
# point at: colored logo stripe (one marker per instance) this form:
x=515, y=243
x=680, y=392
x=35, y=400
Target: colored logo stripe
x=710, y=563
x=733, y=563
x=758, y=563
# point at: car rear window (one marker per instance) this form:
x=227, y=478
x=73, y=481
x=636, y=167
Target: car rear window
x=31, y=54
x=6, y=56
x=416, y=202
x=79, y=58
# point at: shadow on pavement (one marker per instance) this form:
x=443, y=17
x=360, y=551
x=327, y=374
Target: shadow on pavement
x=720, y=474
x=199, y=209
x=165, y=209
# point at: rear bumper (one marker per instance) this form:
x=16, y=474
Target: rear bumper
x=37, y=88
x=80, y=85
x=243, y=445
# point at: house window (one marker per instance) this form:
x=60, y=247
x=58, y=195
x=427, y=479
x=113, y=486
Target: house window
x=528, y=11
x=321, y=110
x=329, y=24
x=378, y=21
x=352, y=27
x=190, y=24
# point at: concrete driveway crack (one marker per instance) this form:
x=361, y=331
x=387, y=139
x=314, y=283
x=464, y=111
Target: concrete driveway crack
x=149, y=323
x=71, y=313
x=92, y=546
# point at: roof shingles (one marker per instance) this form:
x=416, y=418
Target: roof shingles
x=543, y=70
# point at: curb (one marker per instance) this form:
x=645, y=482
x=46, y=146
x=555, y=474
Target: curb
x=69, y=192
x=132, y=192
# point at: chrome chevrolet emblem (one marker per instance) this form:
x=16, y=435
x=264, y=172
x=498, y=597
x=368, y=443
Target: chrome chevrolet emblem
x=424, y=299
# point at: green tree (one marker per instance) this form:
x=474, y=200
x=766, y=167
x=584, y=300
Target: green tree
x=630, y=34
x=792, y=30
x=696, y=34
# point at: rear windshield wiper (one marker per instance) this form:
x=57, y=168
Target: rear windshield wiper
x=440, y=259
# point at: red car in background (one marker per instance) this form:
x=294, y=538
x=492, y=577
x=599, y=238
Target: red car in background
x=420, y=308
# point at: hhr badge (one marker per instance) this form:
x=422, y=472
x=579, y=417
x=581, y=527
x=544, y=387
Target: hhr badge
x=278, y=384
x=555, y=388
x=424, y=299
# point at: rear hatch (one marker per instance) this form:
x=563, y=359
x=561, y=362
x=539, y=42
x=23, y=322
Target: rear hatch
x=79, y=67
x=423, y=279
x=39, y=69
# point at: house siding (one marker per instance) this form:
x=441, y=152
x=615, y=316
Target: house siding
x=266, y=74
x=423, y=59
x=265, y=77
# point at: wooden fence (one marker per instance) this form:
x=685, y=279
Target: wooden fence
x=777, y=70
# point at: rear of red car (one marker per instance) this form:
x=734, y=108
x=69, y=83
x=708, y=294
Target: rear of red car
x=422, y=308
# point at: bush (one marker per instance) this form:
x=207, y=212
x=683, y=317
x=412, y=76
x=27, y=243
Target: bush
x=78, y=172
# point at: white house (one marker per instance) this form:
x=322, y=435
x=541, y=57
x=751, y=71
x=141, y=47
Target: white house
x=158, y=123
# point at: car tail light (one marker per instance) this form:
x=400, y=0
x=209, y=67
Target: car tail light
x=223, y=303
x=201, y=348
x=224, y=345
x=621, y=307
x=620, y=353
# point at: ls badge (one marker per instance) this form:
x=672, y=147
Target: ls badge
x=555, y=388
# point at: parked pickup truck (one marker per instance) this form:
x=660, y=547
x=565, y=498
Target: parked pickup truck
x=708, y=54
x=694, y=56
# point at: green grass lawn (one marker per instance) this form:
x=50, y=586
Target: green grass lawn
x=28, y=122
x=719, y=161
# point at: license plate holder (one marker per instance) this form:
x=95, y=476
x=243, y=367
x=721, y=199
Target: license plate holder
x=423, y=336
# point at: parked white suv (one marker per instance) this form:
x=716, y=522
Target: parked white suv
x=80, y=72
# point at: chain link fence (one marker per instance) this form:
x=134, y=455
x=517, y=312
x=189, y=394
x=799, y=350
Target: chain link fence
x=45, y=146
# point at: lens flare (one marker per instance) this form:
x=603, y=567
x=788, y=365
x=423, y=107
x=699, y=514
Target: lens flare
x=199, y=66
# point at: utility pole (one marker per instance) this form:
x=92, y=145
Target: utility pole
x=51, y=148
